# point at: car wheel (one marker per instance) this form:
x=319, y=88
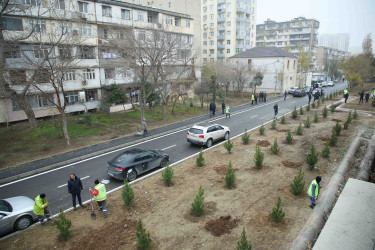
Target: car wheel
x=163, y=163
x=132, y=175
x=226, y=136
x=23, y=223
x=209, y=143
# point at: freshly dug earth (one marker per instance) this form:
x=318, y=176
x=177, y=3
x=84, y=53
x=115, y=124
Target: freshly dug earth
x=165, y=211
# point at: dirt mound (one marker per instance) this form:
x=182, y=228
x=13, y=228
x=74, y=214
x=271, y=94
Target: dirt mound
x=336, y=120
x=323, y=138
x=222, y=225
x=290, y=164
x=223, y=169
x=263, y=143
x=282, y=130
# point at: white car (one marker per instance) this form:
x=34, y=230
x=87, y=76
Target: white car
x=292, y=89
x=330, y=84
x=207, y=134
x=324, y=84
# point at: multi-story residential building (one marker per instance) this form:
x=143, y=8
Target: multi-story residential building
x=325, y=55
x=337, y=41
x=90, y=26
x=228, y=28
x=293, y=34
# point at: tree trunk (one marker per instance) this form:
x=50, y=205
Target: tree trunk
x=65, y=127
x=26, y=108
x=165, y=110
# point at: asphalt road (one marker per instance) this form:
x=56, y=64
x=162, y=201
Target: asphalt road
x=53, y=182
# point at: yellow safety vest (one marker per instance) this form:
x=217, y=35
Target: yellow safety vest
x=39, y=205
x=309, y=191
x=102, y=192
x=227, y=110
x=252, y=97
x=345, y=91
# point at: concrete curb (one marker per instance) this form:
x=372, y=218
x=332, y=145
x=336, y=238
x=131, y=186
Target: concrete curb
x=368, y=160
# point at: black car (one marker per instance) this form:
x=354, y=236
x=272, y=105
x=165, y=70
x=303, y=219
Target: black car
x=299, y=92
x=134, y=162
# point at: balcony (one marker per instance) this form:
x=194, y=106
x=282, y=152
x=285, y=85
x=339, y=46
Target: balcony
x=220, y=1
x=241, y=10
x=240, y=19
x=221, y=55
x=221, y=46
x=220, y=19
x=221, y=10
x=240, y=37
x=221, y=28
x=239, y=46
x=240, y=27
x=221, y=37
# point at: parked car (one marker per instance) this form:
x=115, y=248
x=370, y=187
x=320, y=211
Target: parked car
x=292, y=89
x=324, y=84
x=207, y=134
x=307, y=89
x=320, y=90
x=16, y=214
x=131, y=163
x=299, y=92
x=330, y=84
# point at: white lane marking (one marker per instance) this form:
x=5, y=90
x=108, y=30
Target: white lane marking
x=168, y=147
x=67, y=183
x=294, y=102
x=253, y=116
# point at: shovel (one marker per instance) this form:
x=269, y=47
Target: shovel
x=93, y=215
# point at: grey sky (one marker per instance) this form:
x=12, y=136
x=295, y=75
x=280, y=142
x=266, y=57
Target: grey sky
x=356, y=17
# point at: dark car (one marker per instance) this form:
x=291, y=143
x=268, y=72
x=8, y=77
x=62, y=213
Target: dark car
x=134, y=162
x=299, y=92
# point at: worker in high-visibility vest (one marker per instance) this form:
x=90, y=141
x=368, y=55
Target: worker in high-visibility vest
x=346, y=95
x=41, y=208
x=100, y=195
x=252, y=99
x=314, y=190
x=227, y=112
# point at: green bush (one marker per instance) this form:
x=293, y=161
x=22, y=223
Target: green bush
x=245, y=137
x=312, y=158
x=258, y=157
x=326, y=151
x=262, y=129
x=45, y=147
x=230, y=178
x=143, y=238
x=299, y=130
x=325, y=112
x=200, y=159
x=298, y=184
x=283, y=120
x=301, y=112
x=88, y=119
x=318, y=102
x=289, y=137
x=349, y=118
x=167, y=175
x=373, y=102
x=228, y=145
x=243, y=244
x=197, y=207
x=275, y=147
x=80, y=120
x=308, y=107
x=333, y=108
x=333, y=139
x=63, y=225
x=337, y=128
x=323, y=99
x=127, y=194
x=307, y=122
x=355, y=115
x=191, y=103
x=277, y=214
x=316, y=117
x=330, y=96
x=294, y=113
x=274, y=123
x=346, y=125
x=313, y=105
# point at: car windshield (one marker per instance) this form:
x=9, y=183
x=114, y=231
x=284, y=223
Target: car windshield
x=5, y=206
x=196, y=131
x=123, y=159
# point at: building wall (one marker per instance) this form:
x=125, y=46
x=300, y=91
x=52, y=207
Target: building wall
x=336, y=41
x=325, y=53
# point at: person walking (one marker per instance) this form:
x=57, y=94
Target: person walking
x=309, y=97
x=346, y=95
x=144, y=127
x=276, y=109
x=265, y=96
x=361, y=95
x=285, y=94
x=256, y=98
x=367, y=97
x=100, y=195
x=74, y=189
x=223, y=107
x=313, y=191
x=214, y=109
x=260, y=96
x=227, y=112
x=211, y=108
x=40, y=208
x=252, y=99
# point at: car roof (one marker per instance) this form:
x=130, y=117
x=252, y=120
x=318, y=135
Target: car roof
x=134, y=151
x=204, y=125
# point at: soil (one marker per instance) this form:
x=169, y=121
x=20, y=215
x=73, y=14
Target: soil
x=165, y=211
x=263, y=143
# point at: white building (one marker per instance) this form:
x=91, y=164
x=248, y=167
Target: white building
x=336, y=41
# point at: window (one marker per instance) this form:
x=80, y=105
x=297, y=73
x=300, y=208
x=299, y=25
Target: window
x=248, y=64
x=40, y=101
x=204, y=8
x=229, y=24
x=237, y=51
x=41, y=51
x=177, y=21
x=204, y=51
x=102, y=33
x=204, y=35
x=32, y=2
x=65, y=28
x=88, y=74
x=17, y=77
x=247, y=42
x=82, y=7
x=212, y=42
x=72, y=97
x=85, y=29
x=288, y=65
x=160, y=6
x=13, y=24
x=42, y=76
x=229, y=5
x=86, y=52
x=140, y=16
x=211, y=60
x=229, y=14
x=13, y=51
x=188, y=23
x=59, y=4
x=65, y=51
x=205, y=60
x=204, y=42
x=212, y=7
x=69, y=76
x=125, y=14
x=38, y=26
x=190, y=39
x=204, y=17
x=169, y=20
x=211, y=25
x=141, y=34
x=228, y=51
x=228, y=42
x=109, y=73
x=211, y=33
x=211, y=16
x=106, y=11
x=212, y=51
x=228, y=33
x=294, y=64
x=91, y=95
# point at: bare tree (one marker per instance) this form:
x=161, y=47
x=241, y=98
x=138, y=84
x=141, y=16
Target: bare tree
x=241, y=77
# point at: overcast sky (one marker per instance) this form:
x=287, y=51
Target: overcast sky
x=356, y=17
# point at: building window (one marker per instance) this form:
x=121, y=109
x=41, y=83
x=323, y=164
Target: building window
x=188, y=23
x=204, y=60
x=106, y=11
x=212, y=60
x=13, y=51
x=169, y=20
x=102, y=33
x=212, y=51
x=85, y=29
x=212, y=33
x=205, y=51
x=17, y=77
x=212, y=42
x=294, y=64
x=88, y=74
x=228, y=42
x=41, y=51
x=83, y=7
x=204, y=42
x=204, y=35
x=38, y=26
x=109, y=73
x=204, y=17
x=211, y=16
x=12, y=24
x=32, y=2
x=72, y=97
x=177, y=21
x=228, y=51
x=40, y=101
x=247, y=42
x=65, y=51
x=170, y=4
x=229, y=24
x=204, y=8
x=140, y=16
x=59, y=4
x=69, y=76
x=212, y=7
x=91, y=95
x=42, y=76
x=86, y=52
x=229, y=14
x=142, y=34
x=237, y=51
x=229, y=5
x=211, y=25
x=65, y=28
x=287, y=65
x=228, y=33
x=125, y=14
x=248, y=64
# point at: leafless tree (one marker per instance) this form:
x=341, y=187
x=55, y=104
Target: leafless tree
x=241, y=77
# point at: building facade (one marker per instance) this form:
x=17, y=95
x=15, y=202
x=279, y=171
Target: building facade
x=228, y=28
x=325, y=55
x=339, y=42
x=293, y=34
x=89, y=27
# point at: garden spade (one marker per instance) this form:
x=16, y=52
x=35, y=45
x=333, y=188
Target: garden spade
x=93, y=215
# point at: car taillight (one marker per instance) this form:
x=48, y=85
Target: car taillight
x=201, y=136
x=120, y=169
x=188, y=133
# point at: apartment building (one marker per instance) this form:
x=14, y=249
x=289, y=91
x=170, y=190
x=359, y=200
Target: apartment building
x=339, y=42
x=228, y=28
x=293, y=34
x=89, y=27
x=325, y=54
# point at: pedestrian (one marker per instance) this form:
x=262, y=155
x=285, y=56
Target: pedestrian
x=40, y=208
x=346, y=95
x=227, y=112
x=265, y=96
x=74, y=189
x=223, y=107
x=309, y=97
x=313, y=191
x=211, y=108
x=252, y=98
x=285, y=94
x=361, y=95
x=260, y=96
x=100, y=195
x=144, y=127
x=276, y=109
x=373, y=94
x=256, y=98
x=367, y=96
x=214, y=109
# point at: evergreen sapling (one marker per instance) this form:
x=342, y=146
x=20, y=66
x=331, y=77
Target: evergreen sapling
x=275, y=147
x=258, y=157
x=289, y=137
x=63, y=225
x=274, y=123
x=262, y=129
x=127, y=194
x=333, y=139
x=167, y=175
x=243, y=244
x=326, y=151
x=308, y=107
x=277, y=214
x=245, y=137
x=325, y=112
x=298, y=183
x=200, y=159
x=301, y=112
x=316, y=117
x=333, y=108
x=197, y=208
x=228, y=145
x=143, y=238
x=283, y=120
x=294, y=113
x=355, y=115
x=307, y=122
x=312, y=158
x=337, y=128
x=230, y=177
x=313, y=105
x=299, y=130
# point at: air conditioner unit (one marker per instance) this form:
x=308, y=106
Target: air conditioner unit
x=84, y=82
x=84, y=15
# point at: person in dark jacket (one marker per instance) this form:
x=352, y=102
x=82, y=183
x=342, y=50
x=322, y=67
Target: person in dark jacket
x=285, y=94
x=211, y=108
x=361, y=95
x=367, y=96
x=309, y=97
x=265, y=96
x=74, y=189
x=256, y=98
x=213, y=111
x=223, y=107
x=276, y=109
x=260, y=96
